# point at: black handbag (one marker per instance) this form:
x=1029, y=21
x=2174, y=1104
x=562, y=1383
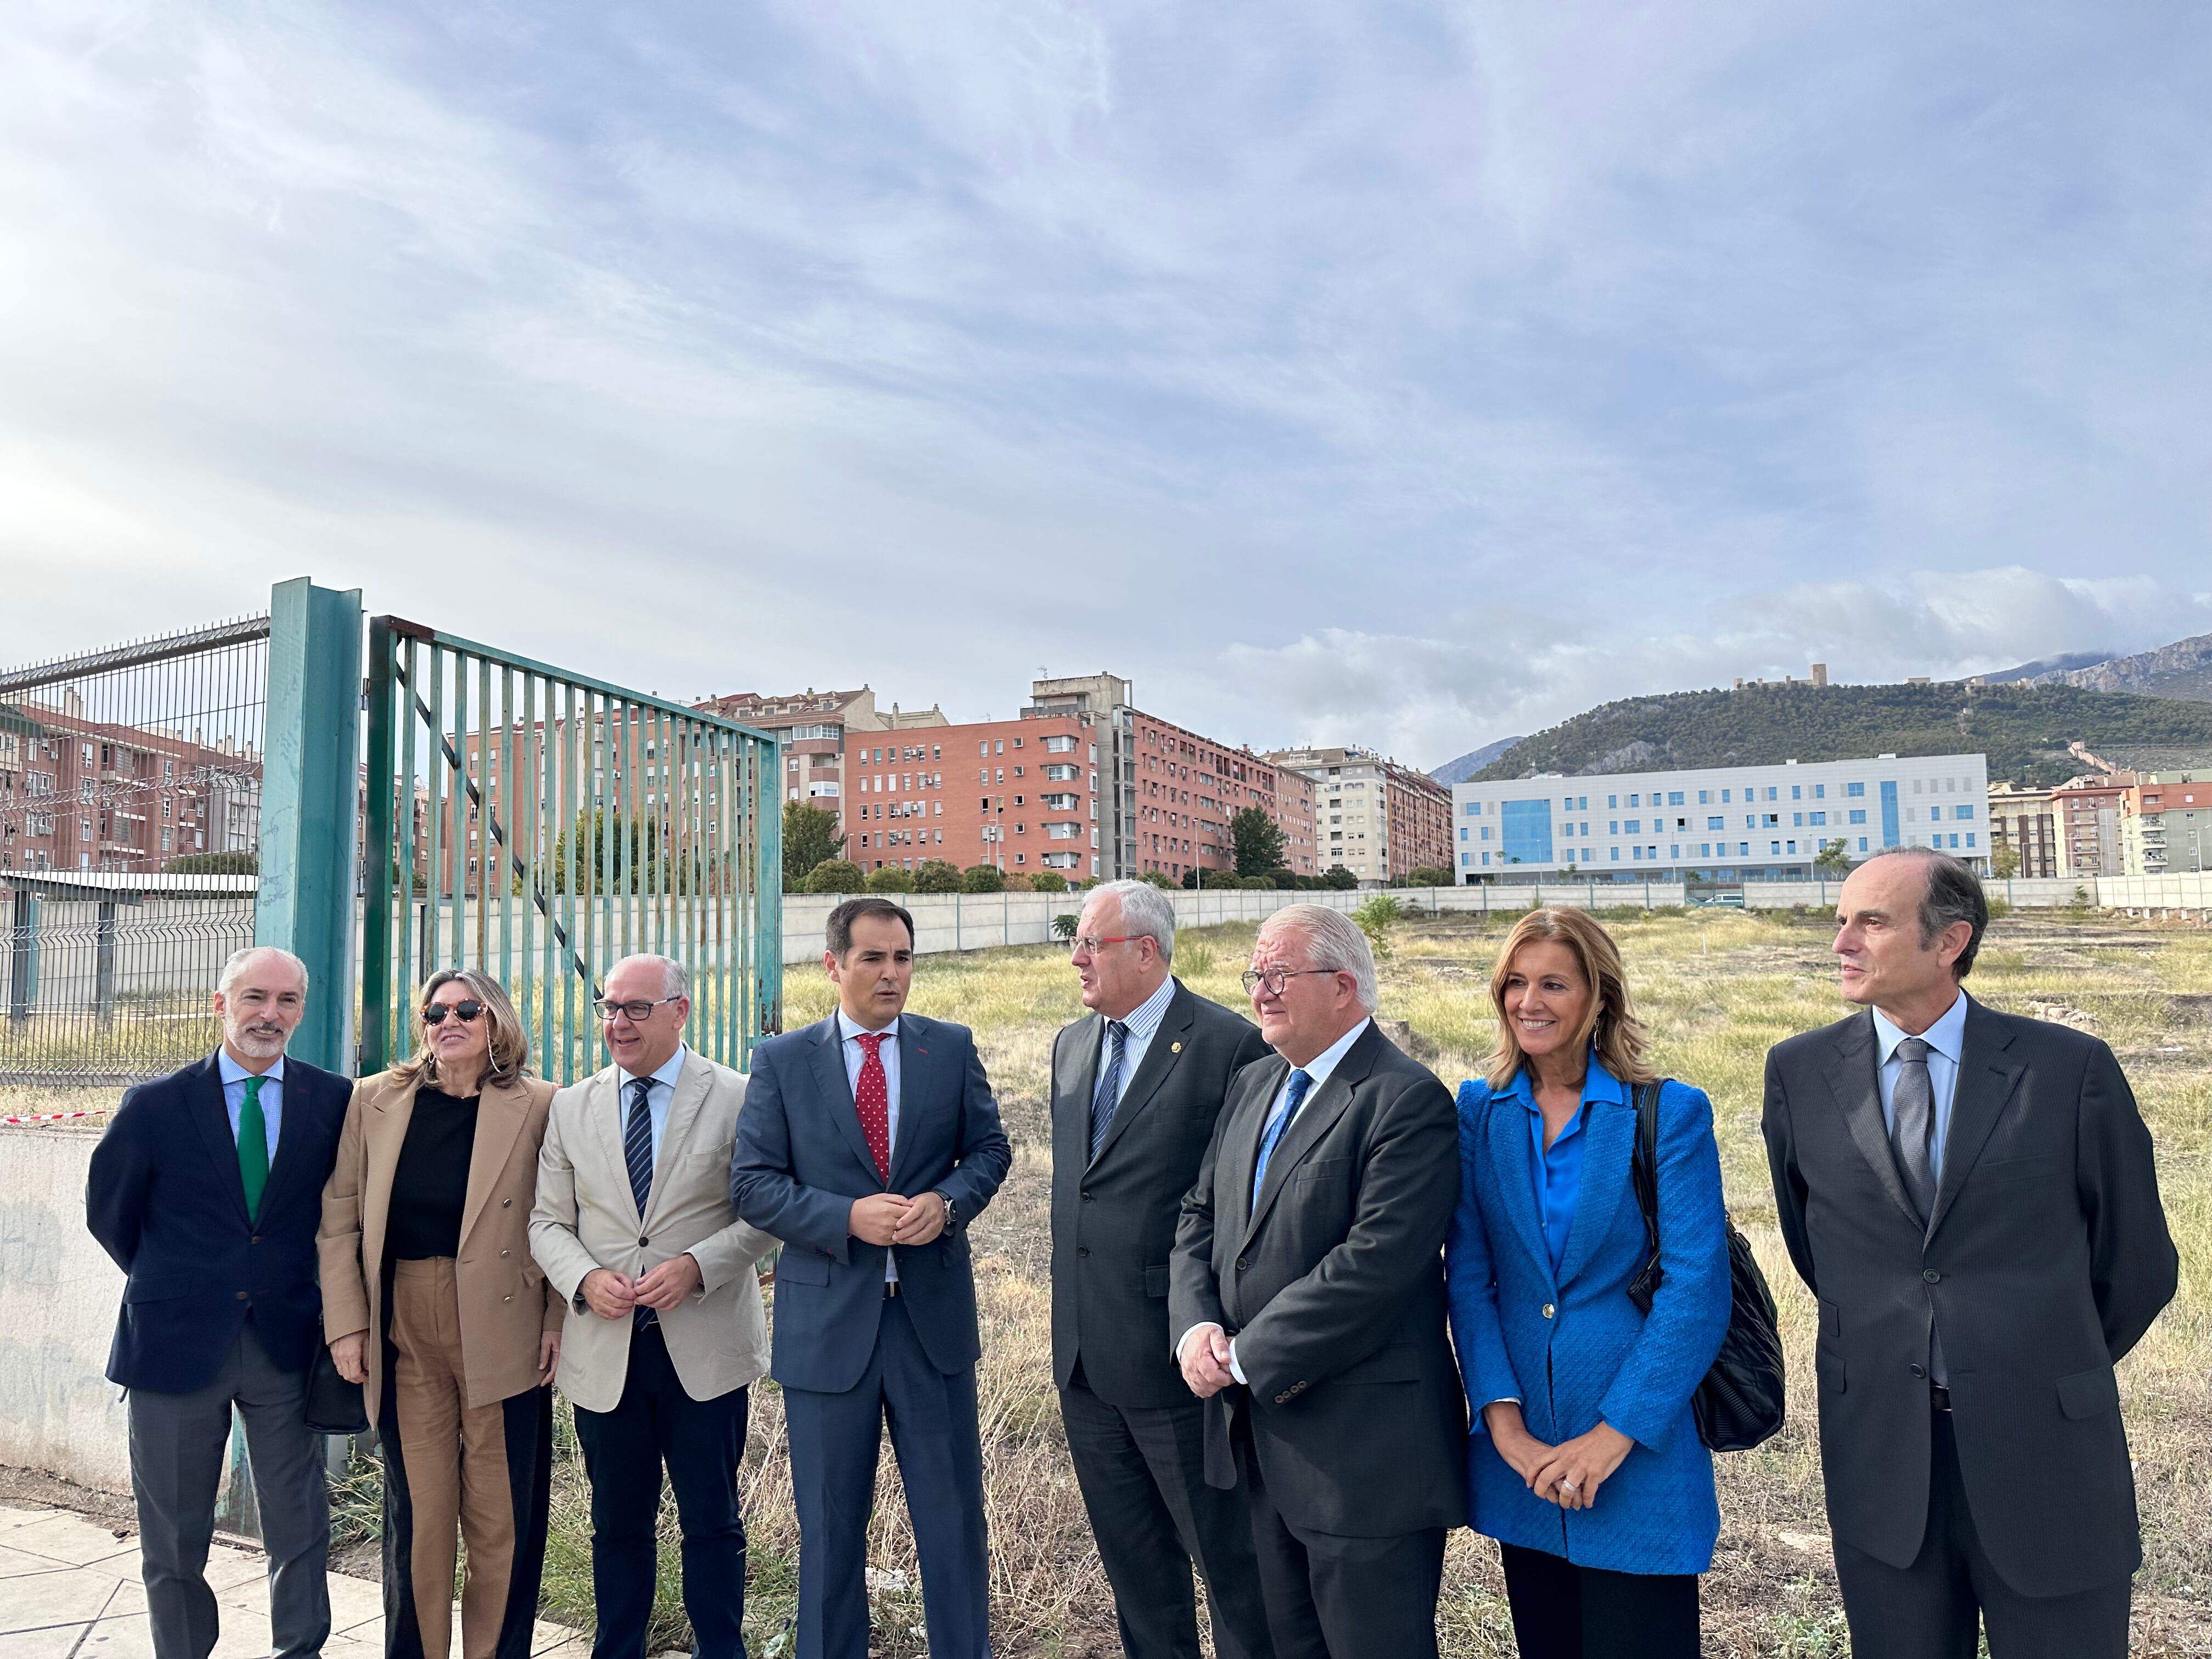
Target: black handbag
x=1740, y=1404
x=334, y=1405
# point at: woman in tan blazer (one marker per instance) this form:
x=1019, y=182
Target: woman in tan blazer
x=432, y=1301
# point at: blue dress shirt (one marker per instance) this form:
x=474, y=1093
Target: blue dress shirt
x=1557, y=1168
x=660, y=1091
x=272, y=1095
x=1144, y=1022
x=856, y=1057
x=1944, y=1039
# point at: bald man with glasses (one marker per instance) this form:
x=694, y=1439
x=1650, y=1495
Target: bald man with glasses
x=665, y=1334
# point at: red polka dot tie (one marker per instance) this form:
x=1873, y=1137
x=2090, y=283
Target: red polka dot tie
x=873, y=1099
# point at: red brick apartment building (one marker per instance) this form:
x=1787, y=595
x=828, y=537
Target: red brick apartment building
x=812, y=726
x=1083, y=783
x=81, y=794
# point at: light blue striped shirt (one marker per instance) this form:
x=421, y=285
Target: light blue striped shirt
x=271, y=1096
x=1144, y=1023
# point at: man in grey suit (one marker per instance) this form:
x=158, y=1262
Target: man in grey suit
x=1307, y=1294
x=1136, y=1087
x=1972, y=1197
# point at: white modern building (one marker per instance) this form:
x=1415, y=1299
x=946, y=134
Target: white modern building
x=1719, y=824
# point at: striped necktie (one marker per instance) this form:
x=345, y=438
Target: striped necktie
x=638, y=1153
x=1110, y=1084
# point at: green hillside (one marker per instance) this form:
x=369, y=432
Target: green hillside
x=2023, y=729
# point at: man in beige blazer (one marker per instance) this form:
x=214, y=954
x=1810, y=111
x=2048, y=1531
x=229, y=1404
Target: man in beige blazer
x=635, y=1229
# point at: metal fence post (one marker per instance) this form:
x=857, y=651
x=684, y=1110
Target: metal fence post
x=309, y=795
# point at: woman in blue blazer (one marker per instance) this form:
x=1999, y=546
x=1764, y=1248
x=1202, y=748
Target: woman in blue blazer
x=1583, y=1460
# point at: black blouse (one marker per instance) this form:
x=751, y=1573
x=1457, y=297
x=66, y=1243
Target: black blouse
x=430, y=1184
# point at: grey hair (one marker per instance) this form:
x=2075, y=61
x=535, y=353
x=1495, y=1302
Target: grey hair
x=674, y=977
x=1147, y=912
x=235, y=964
x=1333, y=943
x=1954, y=894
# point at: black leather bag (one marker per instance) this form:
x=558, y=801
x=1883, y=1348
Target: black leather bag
x=1739, y=1405
x=334, y=1405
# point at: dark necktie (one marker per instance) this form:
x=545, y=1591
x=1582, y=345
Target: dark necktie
x=1301, y=1080
x=638, y=1153
x=1108, y=1094
x=1912, y=1126
x=871, y=1098
x=637, y=1142
x=253, y=1148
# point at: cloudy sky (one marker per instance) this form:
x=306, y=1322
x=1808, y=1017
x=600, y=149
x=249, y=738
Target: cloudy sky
x=1406, y=374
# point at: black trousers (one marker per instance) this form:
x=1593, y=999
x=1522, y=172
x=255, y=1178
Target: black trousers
x=1930, y=1609
x=702, y=1441
x=1142, y=1470
x=1333, y=1597
x=1563, y=1610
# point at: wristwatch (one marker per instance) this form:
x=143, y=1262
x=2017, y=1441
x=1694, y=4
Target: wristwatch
x=951, y=1211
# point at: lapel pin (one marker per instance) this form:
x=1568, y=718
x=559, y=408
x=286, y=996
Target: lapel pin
x=1174, y=1048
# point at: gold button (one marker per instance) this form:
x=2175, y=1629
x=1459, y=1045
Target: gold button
x=1549, y=1311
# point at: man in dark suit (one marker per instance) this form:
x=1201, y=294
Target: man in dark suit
x=1972, y=1197
x=868, y=1143
x=207, y=1190
x=1307, y=1294
x=1136, y=1087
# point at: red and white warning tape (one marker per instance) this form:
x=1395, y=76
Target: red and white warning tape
x=55, y=1117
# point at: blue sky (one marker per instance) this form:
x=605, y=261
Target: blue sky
x=1411, y=374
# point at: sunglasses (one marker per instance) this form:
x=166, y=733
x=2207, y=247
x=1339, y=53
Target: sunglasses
x=466, y=1012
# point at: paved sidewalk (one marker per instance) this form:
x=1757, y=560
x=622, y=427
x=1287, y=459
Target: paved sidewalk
x=69, y=1590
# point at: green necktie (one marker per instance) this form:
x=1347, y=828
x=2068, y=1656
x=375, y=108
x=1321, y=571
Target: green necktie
x=253, y=1148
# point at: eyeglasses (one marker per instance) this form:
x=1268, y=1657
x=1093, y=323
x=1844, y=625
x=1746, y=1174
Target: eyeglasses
x=1274, y=978
x=1085, y=942
x=639, y=1012
x=434, y=1014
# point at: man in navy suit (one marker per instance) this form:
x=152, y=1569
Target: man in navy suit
x=207, y=1189
x=867, y=1143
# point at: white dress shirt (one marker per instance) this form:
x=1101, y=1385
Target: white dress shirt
x=856, y=1056
x=660, y=1090
x=1944, y=1039
x=1144, y=1023
x=271, y=1096
x=1319, y=1068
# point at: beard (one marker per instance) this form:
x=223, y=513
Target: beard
x=261, y=1041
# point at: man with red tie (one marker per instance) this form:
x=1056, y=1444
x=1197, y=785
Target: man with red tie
x=868, y=1143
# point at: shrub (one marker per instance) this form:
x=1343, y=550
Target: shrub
x=1339, y=879
x=982, y=878
x=1017, y=883
x=1374, y=917
x=937, y=876
x=1048, y=881
x=890, y=879
x=836, y=876
x=1428, y=875
x=1159, y=879
x=1063, y=925
x=214, y=863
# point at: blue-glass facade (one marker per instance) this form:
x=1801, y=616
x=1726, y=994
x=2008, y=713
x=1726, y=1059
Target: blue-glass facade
x=1889, y=833
x=1527, y=830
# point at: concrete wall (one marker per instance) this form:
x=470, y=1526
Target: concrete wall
x=58, y=1295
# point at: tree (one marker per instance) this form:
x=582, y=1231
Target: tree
x=836, y=876
x=1159, y=879
x=614, y=854
x=1831, y=860
x=890, y=879
x=1048, y=881
x=1064, y=924
x=214, y=863
x=2004, y=862
x=810, y=836
x=1017, y=883
x=982, y=878
x=1338, y=879
x=1259, y=842
x=1374, y=917
x=937, y=876
x=1430, y=875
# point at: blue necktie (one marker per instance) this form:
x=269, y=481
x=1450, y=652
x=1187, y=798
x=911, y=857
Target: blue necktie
x=1108, y=1094
x=1301, y=1080
x=638, y=1153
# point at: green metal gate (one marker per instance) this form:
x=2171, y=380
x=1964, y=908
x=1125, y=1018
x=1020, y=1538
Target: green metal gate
x=538, y=825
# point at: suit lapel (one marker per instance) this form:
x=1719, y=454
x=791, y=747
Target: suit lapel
x=605, y=1111
x=837, y=1093
x=1317, y=1116
x=1987, y=1080
x=298, y=1088
x=1505, y=1129
x=918, y=1074
x=684, y=1101
x=1071, y=1102
x=1856, y=1085
x=211, y=1117
x=501, y=1110
x=385, y=1133
x=1609, y=1143
x=1160, y=1059
x=1246, y=1119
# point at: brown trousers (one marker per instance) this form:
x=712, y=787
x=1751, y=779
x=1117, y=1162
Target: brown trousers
x=457, y=1474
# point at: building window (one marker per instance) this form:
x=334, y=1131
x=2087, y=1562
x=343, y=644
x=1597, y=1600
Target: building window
x=1819, y=792
x=1962, y=811
x=1612, y=801
x=1616, y=855
x=1674, y=798
x=1862, y=846
x=1855, y=789
x=1970, y=838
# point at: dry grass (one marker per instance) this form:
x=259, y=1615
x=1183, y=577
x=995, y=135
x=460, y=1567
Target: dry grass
x=1719, y=989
